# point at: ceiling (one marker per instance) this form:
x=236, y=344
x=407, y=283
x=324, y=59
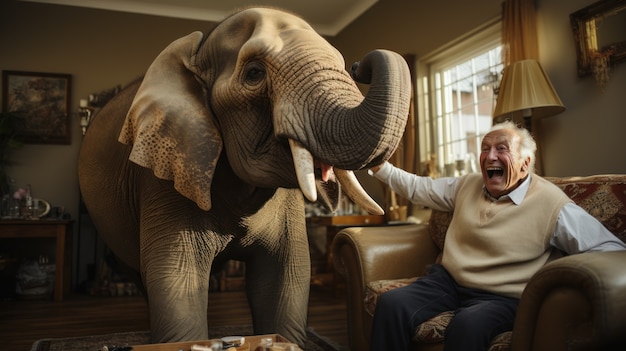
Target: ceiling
x=328, y=17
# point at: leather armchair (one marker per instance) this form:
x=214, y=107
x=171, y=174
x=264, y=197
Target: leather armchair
x=576, y=302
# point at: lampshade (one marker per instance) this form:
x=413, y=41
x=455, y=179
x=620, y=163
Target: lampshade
x=525, y=91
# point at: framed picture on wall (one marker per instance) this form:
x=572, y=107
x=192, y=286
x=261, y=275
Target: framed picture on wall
x=43, y=100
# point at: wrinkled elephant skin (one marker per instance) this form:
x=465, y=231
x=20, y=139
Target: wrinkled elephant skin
x=208, y=156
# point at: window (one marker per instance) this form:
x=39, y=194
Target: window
x=456, y=100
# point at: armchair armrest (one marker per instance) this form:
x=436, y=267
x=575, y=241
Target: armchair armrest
x=577, y=302
x=365, y=254
x=383, y=252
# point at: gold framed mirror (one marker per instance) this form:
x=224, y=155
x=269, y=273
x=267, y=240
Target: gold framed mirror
x=600, y=35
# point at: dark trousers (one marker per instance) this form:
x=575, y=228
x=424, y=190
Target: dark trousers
x=479, y=316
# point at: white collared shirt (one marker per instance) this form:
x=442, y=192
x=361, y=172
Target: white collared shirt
x=576, y=230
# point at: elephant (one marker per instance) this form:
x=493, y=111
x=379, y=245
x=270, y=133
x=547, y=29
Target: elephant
x=212, y=154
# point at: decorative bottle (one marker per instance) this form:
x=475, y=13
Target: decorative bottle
x=28, y=207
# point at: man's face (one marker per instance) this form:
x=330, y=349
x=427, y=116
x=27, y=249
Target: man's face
x=501, y=162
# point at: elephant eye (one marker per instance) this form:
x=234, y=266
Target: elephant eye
x=254, y=73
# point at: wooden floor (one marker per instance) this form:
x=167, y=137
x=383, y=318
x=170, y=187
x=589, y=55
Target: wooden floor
x=24, y=322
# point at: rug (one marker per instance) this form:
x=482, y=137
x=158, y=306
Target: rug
x=314, y=342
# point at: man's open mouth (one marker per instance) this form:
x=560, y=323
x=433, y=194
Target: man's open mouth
x=494, y=171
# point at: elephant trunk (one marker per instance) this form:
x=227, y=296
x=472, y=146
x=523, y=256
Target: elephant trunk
x=374, y=128
x=327, y=113
x=351, y=131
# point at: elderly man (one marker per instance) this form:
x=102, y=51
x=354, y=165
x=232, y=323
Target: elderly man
x=506, y=225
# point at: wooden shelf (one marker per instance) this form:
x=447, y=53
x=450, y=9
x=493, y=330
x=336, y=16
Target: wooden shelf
x=348, y=221
x=61, y=231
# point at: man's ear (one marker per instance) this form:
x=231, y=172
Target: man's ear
x=526, y=164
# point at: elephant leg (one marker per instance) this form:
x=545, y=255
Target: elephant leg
x=176, y=275
x=278, y=273
x=278, y=293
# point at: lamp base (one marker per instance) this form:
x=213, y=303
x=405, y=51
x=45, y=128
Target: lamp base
x=528, y=123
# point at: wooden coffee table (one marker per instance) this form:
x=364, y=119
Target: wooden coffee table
x=250, y=344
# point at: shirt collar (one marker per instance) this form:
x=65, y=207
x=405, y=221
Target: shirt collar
x=517, y=195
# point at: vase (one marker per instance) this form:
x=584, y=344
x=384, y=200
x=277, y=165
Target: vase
x=10, y=207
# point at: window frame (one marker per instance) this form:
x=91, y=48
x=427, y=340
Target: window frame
x=474, y=43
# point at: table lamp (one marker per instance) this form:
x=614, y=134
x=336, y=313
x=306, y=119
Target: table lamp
x=84, y=114
x=526, y=93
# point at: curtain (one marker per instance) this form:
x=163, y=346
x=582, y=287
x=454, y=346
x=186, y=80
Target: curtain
x=519, y=42
x=519, y=31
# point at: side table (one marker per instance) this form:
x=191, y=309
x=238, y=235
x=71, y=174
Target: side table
x=61, y=231
x=334, y=224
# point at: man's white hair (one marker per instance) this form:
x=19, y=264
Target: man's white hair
x=527, y=145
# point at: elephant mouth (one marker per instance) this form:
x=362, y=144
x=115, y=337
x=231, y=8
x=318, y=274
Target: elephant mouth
x=305, y=164
x=326, y=171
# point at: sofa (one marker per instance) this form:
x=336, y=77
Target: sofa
x=575, y=302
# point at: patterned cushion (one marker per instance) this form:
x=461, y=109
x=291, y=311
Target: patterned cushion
x=437, y=228
x=603, y=196
x=502, y=342
x=433, y=330
x=375, y=288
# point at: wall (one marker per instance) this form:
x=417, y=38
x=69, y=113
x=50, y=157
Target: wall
x=415, y=27
x=410, y=27
x=588, y=138
x=102, y=49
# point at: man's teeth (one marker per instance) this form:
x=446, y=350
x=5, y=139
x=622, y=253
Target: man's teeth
x=493, y=171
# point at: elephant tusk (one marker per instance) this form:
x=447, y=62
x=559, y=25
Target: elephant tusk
x=305, y=172
x=356, y=193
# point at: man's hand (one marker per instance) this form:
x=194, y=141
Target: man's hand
x=374, y=169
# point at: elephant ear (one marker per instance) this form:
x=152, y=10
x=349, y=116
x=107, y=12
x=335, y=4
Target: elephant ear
x=171, y=130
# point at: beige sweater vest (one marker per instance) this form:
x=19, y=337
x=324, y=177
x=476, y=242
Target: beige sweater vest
x=496, y=246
